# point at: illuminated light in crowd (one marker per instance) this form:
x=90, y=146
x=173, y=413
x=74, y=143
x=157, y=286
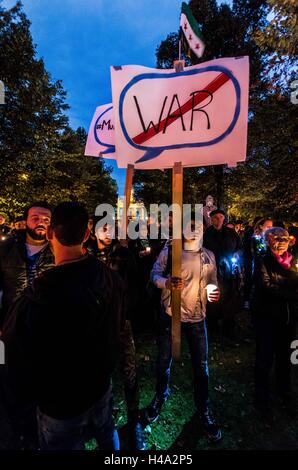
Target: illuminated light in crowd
x=292, y=240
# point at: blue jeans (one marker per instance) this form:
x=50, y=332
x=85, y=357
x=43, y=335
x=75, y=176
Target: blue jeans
x=196, y=336
x=73, y=433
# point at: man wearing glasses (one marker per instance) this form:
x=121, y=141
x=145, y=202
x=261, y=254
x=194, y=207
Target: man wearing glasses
x=275, y=306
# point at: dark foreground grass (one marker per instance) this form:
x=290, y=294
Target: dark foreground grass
x=231, y=392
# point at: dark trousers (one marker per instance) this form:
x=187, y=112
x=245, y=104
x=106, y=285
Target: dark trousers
x=221, y=316
x=248, y=267
x=273, y=341
x=196, y=336
x=72, y=434
x=128, y=367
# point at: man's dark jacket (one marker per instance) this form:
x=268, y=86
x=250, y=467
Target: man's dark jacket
x=61, y=337
x=4, y=230
x=223, y=243
x=120, y=259
x=275, y=289
x=14, y=267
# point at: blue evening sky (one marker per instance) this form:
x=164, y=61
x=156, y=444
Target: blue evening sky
x=80, y=39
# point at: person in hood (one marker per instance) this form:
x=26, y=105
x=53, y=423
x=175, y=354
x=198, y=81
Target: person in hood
x=198, y=284
x=62, y=340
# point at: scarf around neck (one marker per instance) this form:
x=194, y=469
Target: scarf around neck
x=284, y=260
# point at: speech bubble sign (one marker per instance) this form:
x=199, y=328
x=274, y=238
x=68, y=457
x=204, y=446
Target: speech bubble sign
x=101, y=135
x=198, y=116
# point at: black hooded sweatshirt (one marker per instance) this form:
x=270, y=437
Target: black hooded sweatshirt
x=62, y=336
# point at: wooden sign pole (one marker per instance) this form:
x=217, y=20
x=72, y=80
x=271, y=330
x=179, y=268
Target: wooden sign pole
x=177, y=200
x=177, y=186
x=127, y=196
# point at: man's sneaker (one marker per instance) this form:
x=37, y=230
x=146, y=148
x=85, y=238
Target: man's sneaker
x=152, y=411
x=136, y=436
x=210, y=427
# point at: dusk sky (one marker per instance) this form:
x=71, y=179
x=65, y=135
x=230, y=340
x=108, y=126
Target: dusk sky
x=80, y=39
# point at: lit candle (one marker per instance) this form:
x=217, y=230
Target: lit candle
x=148, y=249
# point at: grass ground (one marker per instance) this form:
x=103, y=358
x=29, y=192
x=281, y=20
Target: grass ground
x=231, y=391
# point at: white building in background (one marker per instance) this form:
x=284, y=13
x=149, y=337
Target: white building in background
x=136, y=209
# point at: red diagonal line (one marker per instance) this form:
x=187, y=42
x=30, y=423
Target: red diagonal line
x=212, y=87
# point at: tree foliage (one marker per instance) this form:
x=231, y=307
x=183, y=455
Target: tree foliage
x=280, y=35
x=279, y=39
x=41, y=157
x=265, y=183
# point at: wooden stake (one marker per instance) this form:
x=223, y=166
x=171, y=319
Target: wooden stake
x=179, y=65
x=126, y=202
x=177, y=186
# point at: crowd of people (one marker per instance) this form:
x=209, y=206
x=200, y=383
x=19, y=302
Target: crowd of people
x=73, y=296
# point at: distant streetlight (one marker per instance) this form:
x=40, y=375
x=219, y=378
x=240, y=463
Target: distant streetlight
x=228, y=214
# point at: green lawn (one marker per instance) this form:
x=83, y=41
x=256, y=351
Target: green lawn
x=231, y=392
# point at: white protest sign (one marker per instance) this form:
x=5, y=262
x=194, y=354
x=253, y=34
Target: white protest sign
x=197, y=116
x=101, y=136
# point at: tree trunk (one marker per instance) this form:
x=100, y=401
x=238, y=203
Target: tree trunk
x=219, y=181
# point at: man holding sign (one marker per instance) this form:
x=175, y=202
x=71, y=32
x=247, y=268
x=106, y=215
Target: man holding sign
x=198, y=284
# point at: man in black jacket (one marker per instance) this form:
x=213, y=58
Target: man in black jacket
x=275, y=306
x=25, y=255
x=224, y=243
x=62, y=339
x=120, y=259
